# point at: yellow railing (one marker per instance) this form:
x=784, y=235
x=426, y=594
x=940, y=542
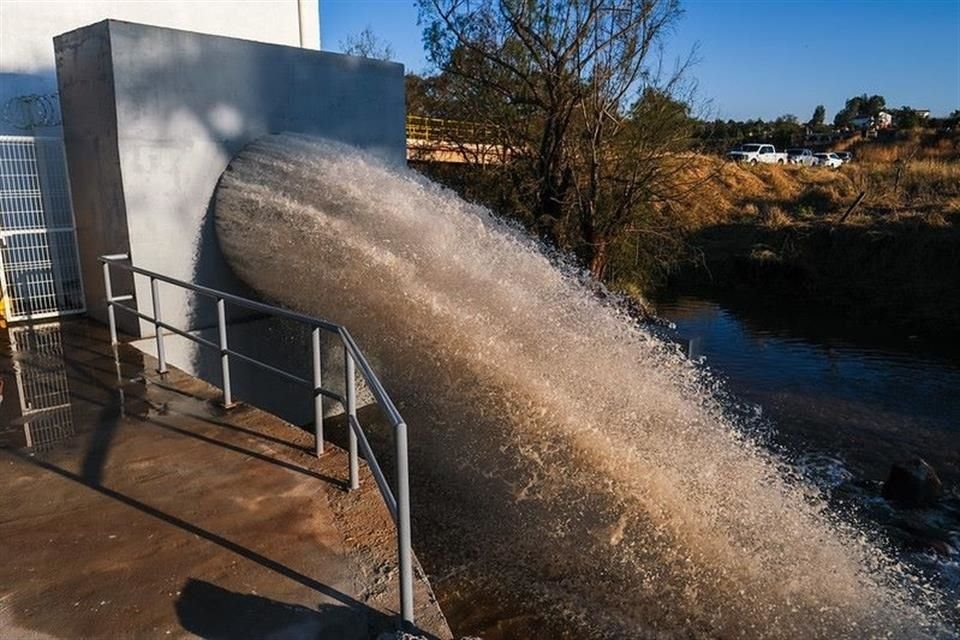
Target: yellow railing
x=444, y=130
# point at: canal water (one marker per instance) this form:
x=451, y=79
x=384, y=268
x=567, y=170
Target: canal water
x=841, y=405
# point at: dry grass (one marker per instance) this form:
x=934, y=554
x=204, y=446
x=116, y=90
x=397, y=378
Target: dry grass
x=936, y=171
x=775, y=217
x=916, y=177
x=909, y=145
x=766, y=194
x=892, y=259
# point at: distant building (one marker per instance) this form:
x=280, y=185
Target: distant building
x=883, y=120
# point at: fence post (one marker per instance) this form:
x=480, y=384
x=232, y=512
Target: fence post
x=351, y=395
x=317, y=396
x=404, y=543
x=224, y=356
x=111, y=313
x=161, y=356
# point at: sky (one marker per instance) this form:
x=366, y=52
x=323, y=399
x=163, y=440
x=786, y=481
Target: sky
x=759, y=58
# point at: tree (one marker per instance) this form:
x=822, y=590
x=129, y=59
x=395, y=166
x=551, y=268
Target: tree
x=906, y=118
x=953, y=120
x=873, y=106
x=367, y=45
x=425, y=95
x=819, y=115
x=859, y=107
x=586, y=117
x=786, y=131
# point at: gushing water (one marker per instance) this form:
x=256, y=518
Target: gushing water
x=566, y=462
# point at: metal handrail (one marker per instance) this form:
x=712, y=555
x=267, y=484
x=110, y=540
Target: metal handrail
x=445, y=130
x=399, y=504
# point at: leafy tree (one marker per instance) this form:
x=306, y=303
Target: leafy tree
x=785, y=132
x=906, y=118
x=873, y=106
x=858, y=107
x=819, y=115
x=416, y=91
x=842, y=118
x=367, y=45
x=427, y=96
x=586, y=121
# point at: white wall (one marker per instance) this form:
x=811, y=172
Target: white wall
x=27, y=28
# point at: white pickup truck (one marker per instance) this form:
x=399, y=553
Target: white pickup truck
x=754, y=153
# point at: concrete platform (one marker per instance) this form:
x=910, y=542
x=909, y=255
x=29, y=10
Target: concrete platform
x=145, y=510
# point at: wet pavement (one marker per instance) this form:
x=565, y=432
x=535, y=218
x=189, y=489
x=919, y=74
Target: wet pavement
x=134, y=506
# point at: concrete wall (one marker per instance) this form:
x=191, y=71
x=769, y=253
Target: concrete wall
x=153, y=116
x=27, y=29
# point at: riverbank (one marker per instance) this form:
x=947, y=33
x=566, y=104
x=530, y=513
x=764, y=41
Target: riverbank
x=896, y=277
x=876, y=241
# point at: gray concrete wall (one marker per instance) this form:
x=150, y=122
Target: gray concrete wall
x=152, y=117
x=91, y=142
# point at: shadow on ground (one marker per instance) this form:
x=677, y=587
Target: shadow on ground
x=212, y=612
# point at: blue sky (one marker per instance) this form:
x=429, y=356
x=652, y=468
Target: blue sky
x=760, y=58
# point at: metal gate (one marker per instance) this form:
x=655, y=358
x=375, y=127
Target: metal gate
x=39, y=264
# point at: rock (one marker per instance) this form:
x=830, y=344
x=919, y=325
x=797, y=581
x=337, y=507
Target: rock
x=912, y=484
x=940, y=547
x=918, y=535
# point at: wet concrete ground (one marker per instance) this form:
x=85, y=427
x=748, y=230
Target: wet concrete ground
x=142, y=509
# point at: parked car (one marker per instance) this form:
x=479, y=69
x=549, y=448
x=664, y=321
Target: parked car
x=754, y=153
x=801, y=156
x=829, y=160
x=846, y=156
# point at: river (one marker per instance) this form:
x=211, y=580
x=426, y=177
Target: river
x=843, y=405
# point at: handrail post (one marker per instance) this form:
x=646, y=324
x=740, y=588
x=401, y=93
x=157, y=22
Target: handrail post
x=224, y=356
x=317, y=396
x=161, y=355
x=399, y=504
x=111, y=314
x=404, y=543
x=351, y=396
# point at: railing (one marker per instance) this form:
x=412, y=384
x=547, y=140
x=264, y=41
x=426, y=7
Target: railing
x=430, y=129
x=399, y=504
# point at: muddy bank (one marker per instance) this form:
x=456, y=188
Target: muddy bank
x=890, y=278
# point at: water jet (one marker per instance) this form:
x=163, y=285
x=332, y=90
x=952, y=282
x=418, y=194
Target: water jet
x=562, y=455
